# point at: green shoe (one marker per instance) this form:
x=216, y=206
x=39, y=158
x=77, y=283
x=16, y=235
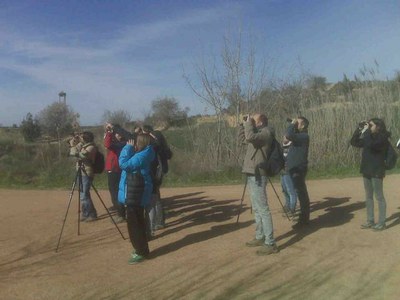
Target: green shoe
x=136, y=258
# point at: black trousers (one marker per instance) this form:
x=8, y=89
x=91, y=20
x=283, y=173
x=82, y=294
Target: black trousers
x=298, y=176
x=113, y=185
x=136, y=221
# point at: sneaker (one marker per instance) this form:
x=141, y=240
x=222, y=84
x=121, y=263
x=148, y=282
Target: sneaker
x=135, y=258
x=255, y=243
x=83, y=218
x=379, y=227
x=367, y=225
x=267, y=249
x=158, y=227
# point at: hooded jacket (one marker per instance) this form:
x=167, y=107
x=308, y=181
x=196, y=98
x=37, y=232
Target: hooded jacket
x=131, y=162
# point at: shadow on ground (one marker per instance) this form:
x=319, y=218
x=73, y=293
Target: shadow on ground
x=187, y=210
x=336, y=214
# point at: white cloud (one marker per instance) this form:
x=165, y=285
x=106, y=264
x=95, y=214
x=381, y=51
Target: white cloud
x=99, y=78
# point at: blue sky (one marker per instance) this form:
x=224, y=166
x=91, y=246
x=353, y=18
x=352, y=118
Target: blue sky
x=112, y=55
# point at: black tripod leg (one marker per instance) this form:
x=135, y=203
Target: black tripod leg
x=79, y=199
x=279, y=199
x=241, y=201
x=108, y=212
x=66, y=213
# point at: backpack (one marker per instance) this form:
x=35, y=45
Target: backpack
x=99, y=164
x=274, y=162
x=390, y=157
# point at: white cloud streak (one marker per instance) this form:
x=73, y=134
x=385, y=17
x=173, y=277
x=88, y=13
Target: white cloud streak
x=102, y=75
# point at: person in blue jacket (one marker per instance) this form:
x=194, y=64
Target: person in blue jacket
x=135, y=190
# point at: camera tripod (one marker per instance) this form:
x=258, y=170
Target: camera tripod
x=78, y=180
x=279, y=199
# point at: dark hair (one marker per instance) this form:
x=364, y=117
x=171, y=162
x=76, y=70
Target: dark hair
x=380, y=125
x=87, y=136
x=147, y=128
x=263, y=118
x=305, y=122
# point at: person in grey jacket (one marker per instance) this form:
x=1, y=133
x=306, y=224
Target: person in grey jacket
x=258, y=137
x=297, y=165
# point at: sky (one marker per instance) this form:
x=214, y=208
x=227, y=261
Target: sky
x=122, y=55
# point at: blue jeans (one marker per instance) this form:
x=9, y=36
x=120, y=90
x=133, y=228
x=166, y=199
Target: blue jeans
x=262, y=214
x=155, y=213
x=375, y=186
x=289, y=192
x=88, y=209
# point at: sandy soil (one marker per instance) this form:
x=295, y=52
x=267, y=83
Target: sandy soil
x=201, y=252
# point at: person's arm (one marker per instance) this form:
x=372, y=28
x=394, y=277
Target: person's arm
x=258, y=138
x=87, y=152
x=356, y=140
x=108, y=140
x=127, y=159
x=294, y=136
x=75, y=149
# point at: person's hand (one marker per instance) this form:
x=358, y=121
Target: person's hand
x=131, y=142
x=366, y=126
x=74, y=141
x=108, y=126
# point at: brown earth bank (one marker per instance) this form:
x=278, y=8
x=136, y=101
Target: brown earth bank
x=201, y=252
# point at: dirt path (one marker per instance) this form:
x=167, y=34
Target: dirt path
x=201, y=254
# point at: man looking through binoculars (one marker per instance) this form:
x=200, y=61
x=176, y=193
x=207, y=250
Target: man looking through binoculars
x=254, y=133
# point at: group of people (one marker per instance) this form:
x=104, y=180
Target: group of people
x=135, y=164
x=258, y=136
x=372, y=136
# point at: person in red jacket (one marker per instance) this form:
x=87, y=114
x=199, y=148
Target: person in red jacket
x=114, y=142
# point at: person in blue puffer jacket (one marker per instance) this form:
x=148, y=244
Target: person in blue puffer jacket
x=135, y=188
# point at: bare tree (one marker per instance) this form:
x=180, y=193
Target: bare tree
x=233, y=80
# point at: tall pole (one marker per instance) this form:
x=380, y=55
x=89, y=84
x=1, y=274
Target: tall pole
x=62, y=96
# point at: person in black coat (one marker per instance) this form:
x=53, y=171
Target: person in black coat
x=373, y=138
x=297, y=165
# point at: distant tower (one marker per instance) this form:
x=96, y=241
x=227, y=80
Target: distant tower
x=62, y=96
